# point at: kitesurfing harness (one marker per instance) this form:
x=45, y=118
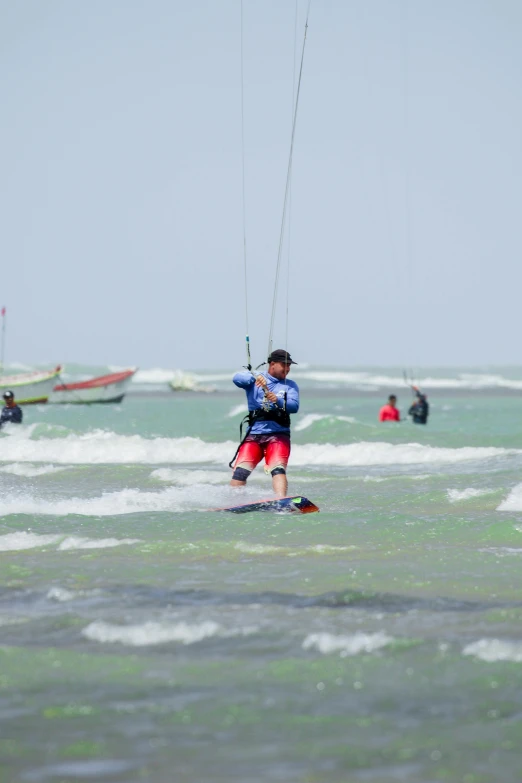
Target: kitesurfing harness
x=278, y=415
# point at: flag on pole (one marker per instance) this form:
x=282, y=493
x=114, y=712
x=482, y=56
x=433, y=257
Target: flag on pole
x=3, y=310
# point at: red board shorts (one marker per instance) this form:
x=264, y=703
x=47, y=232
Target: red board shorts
x=275, y=448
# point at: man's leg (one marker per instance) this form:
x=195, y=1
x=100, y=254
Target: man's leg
x=239, y=477
x=277, y=454
x=249, y=455
x=279, y=482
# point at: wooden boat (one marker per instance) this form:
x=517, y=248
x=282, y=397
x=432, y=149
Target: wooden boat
x=105, y=388
x=30, y=387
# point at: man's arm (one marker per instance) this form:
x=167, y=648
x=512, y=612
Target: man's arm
x=243, y=379
x=292, y=400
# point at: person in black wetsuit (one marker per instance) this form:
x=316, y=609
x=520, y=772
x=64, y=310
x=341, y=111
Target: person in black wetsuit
x=11, y=412
x=420, y=409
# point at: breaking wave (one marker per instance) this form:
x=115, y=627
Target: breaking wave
x=161, y=376
x=264, y=549
x=236, y=410
x=513, y=502
x=347, y=645
x=30, y=471
x=491, y=650
x=124, y=501
x=16, y=542
x=368, y=380
x=62, y=595
x=105, y=447
x=152, y=633
x=456, y=495
x=188, y=477
x=311, y=418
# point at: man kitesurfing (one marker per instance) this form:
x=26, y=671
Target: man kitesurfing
x=270, y=395
x=271, y=399
x=419, y=410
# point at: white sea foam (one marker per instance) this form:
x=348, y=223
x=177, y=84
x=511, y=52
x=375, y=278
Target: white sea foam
x=513, y=502
x=263, y=549
x=347, y=645
x=379, y=479
x=258, y=549
x=126, y=501
x=380, y=453
x=325, y=548
x=236, y=410
x=28, y=471
x=78, y=542
x=214, y=377
x=311, y=418
x=62, y=595
x=367, y=380
x=157, y=375
x=151, y=633
x=502, y=551
x=456, y=495
x=189, y=477
x=15, y=542
x=160, y=376
x=492, y=650
x=102, y=447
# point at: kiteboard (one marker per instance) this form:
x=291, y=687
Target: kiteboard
x=290, y=505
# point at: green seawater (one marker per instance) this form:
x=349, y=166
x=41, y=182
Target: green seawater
x=146, y=636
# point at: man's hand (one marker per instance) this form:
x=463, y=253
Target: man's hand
x=261, y=382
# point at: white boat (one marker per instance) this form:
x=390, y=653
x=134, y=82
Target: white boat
x=105, y=388
x=30, y=387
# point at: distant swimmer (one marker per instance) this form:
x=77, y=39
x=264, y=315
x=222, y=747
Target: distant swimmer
x=390, y=412
x=420, y=409
x=11, y=412
x=271, y=399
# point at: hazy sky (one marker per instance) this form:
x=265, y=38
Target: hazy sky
x=120, y=146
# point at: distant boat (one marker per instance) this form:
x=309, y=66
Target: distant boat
x=30, y=387
x=105, y=388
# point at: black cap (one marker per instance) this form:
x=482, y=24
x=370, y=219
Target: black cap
x=8, y=395
x=280, y=355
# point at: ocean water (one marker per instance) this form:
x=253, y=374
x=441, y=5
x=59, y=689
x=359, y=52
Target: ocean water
x=146, y=636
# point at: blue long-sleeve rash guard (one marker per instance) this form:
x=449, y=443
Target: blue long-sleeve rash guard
x=255, y=396
x=13, y=414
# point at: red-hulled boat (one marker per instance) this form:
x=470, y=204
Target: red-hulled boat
x=105, y=388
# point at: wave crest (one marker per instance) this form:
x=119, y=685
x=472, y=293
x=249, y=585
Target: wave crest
x=102, y=447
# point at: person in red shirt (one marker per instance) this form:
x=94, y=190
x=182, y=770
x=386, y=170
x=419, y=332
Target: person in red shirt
x=390, y=412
